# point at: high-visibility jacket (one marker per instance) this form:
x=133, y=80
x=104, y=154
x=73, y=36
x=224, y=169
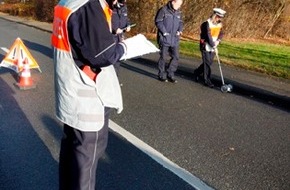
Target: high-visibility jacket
x=80, y=101
x=210, y=33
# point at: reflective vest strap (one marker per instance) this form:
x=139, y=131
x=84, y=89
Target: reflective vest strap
x=59, y=37
x=215, y=30
x=108, y=12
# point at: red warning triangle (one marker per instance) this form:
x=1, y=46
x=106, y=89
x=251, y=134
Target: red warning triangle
x=16, y=56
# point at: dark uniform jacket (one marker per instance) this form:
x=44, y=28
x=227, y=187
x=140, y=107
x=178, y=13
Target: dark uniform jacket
x=120, y=20
x=83, y=35
x=168, y=22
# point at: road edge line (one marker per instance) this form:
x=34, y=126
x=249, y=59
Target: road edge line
x=161, y=159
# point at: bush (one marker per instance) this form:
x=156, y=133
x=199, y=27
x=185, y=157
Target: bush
x=18, y=9
x=254, y=19
x=244, y=19
x=12, y=1
x=43, y=10
x=25, y=10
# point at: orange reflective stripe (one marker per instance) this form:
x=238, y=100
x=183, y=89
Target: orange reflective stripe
x=59, y=37
x=108, y=13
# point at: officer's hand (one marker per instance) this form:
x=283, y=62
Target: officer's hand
x=119, y=31
x=178, y=33
x=128, y=29
x=216, y=43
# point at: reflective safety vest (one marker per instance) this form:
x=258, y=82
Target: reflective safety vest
x=215, y=30
x=80, y=101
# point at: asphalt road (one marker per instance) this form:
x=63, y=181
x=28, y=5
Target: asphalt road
x=229, y=141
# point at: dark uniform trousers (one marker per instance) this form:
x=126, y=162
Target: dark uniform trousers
x=168, y=70
x=79, y=155
x=204, y=68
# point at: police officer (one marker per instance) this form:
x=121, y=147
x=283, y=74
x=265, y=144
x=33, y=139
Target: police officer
x=120, y=25
x=120, y=20
x=210, y=37
x=169, y=23
x=86, y=86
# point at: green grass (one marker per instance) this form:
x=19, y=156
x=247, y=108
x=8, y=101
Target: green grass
x=272, y=59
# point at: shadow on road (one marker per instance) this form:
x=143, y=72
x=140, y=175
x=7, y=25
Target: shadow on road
x=251, y=92
x=124, y=167
x=39, y=48
x=138, y=70
x=25, y=161
x=54, y=127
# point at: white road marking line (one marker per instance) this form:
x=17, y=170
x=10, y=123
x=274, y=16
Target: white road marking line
x=5, y=49
x=158, y=157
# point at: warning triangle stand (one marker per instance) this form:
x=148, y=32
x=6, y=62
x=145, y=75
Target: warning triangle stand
x=17, y=55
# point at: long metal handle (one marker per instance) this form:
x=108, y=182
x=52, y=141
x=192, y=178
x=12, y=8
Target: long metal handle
x=219, y=63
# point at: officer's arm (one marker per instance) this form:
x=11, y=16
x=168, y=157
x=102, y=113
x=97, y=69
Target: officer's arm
x=90, y=41
x=159, y=21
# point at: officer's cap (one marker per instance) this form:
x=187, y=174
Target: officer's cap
x=219, y=12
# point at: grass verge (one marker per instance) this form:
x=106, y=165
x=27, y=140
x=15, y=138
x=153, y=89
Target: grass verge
x=271, y=59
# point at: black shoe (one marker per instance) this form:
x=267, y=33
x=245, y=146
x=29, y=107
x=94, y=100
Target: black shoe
x=162, y=79
x=195, y=77
x=209, y=84
x=173, y=80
